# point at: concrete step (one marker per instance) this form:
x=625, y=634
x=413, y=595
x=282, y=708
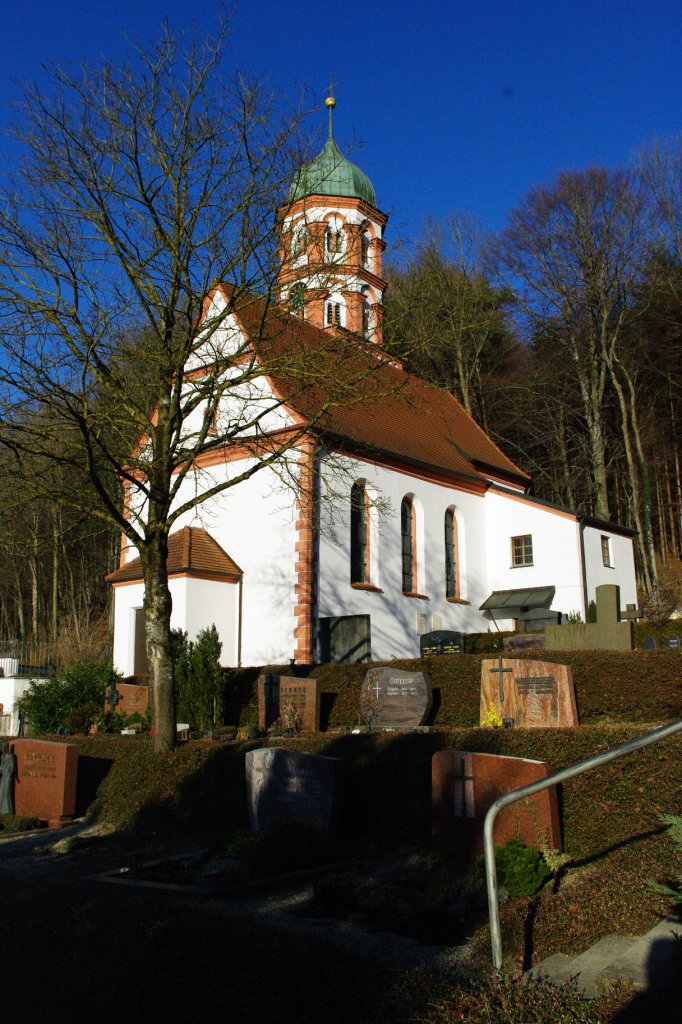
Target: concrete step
x=583, y=970
x=650, y=961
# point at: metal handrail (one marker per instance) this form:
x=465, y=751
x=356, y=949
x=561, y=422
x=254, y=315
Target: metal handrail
x=535, y=787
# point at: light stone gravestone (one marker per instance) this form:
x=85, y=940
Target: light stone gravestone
x=608, y=633
x=535, y=694
x=464, y=785
x=285, y=785
x=401, y=700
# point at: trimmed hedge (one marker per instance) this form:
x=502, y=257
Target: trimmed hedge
x=611, y=686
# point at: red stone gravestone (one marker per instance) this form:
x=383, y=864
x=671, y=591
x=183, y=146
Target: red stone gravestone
x=276, y=693
x=45, y=783
x=464, y=786
x=131, y=698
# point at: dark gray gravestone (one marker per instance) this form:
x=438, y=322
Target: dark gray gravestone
x=344, y=638
x=674, y=642
x=401, y=700
x=649, y=643
x=441, y=641
x=289, y=785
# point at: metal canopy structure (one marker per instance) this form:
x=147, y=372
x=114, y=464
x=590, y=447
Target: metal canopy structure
x=526, y=597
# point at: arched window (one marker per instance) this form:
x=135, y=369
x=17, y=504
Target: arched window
x=333, y=241
x=334, y=311
x=300, y=244
x=366, y=318
x=451, y=559
x=359, y=534
x=297, y=299
x=408, y=546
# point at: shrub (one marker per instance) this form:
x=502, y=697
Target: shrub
x=521, y=869
x=80, y=720
x=48, y=703
x=198, y=678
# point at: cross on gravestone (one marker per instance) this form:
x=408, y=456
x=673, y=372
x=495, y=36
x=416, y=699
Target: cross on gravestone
x=464, y=807
x=500, y=671
x=377, y=687
x=113, y=697
x=630, y=614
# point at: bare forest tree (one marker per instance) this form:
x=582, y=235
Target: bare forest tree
x=576, y=254
x=141, y=186
x=443, y=318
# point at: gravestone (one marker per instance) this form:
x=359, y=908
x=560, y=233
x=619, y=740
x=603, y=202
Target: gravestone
x=649, y=643
x=275, y=693
x=400, y=700
x=441, y=641
x=285, y=785
x=344, y=638
x=535, y=694
x=45, y=783
x=674, y=642
x=464, y=786
x=524, y=642
x=608, y=633
x=127, y=698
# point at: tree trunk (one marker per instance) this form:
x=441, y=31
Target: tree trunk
x=157, y=614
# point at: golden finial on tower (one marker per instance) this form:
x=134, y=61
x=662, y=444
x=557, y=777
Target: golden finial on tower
x=330, y=103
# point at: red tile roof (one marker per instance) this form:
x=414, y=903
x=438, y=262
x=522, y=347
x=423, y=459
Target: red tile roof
x=191, y=550
x=356, y=393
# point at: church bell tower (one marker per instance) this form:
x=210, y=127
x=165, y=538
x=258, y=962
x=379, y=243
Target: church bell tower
x=331, y=245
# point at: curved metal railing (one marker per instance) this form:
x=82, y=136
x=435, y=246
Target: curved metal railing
x=535, y=787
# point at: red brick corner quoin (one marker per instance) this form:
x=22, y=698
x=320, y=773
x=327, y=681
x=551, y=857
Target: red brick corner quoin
x=305, y=551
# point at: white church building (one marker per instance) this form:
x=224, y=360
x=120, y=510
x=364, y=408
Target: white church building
x=416, y=521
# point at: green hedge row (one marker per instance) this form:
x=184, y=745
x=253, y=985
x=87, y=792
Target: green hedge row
x=637, y=686
x=387, y=782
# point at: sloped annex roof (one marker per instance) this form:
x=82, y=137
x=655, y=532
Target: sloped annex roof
x=192, y=551
x=354, y=392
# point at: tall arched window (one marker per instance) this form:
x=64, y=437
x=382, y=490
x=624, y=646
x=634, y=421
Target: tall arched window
x=451, y=559
x=359, y=534
x=333, y=242
x=297, y=299
x=408, y=545
x=300, y=243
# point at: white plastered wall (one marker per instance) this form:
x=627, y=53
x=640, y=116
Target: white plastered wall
x=556, y=551
x=622, y=570
x=394, y=616
x=254, y=522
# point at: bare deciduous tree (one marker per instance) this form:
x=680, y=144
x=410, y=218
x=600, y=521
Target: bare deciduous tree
x=141, y=187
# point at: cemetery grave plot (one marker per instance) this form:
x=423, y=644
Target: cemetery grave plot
x=464, y=785
x=291, y=700
x=392, y=698
x=529, y=694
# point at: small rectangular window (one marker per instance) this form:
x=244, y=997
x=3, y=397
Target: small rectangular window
x=522, y=550
x=606, y=552
x=329, y=313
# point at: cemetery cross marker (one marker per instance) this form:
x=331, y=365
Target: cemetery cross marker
x=500, y=671
x=113, y=698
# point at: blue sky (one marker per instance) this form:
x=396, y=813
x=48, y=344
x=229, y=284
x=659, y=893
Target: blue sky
x=457, y=105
